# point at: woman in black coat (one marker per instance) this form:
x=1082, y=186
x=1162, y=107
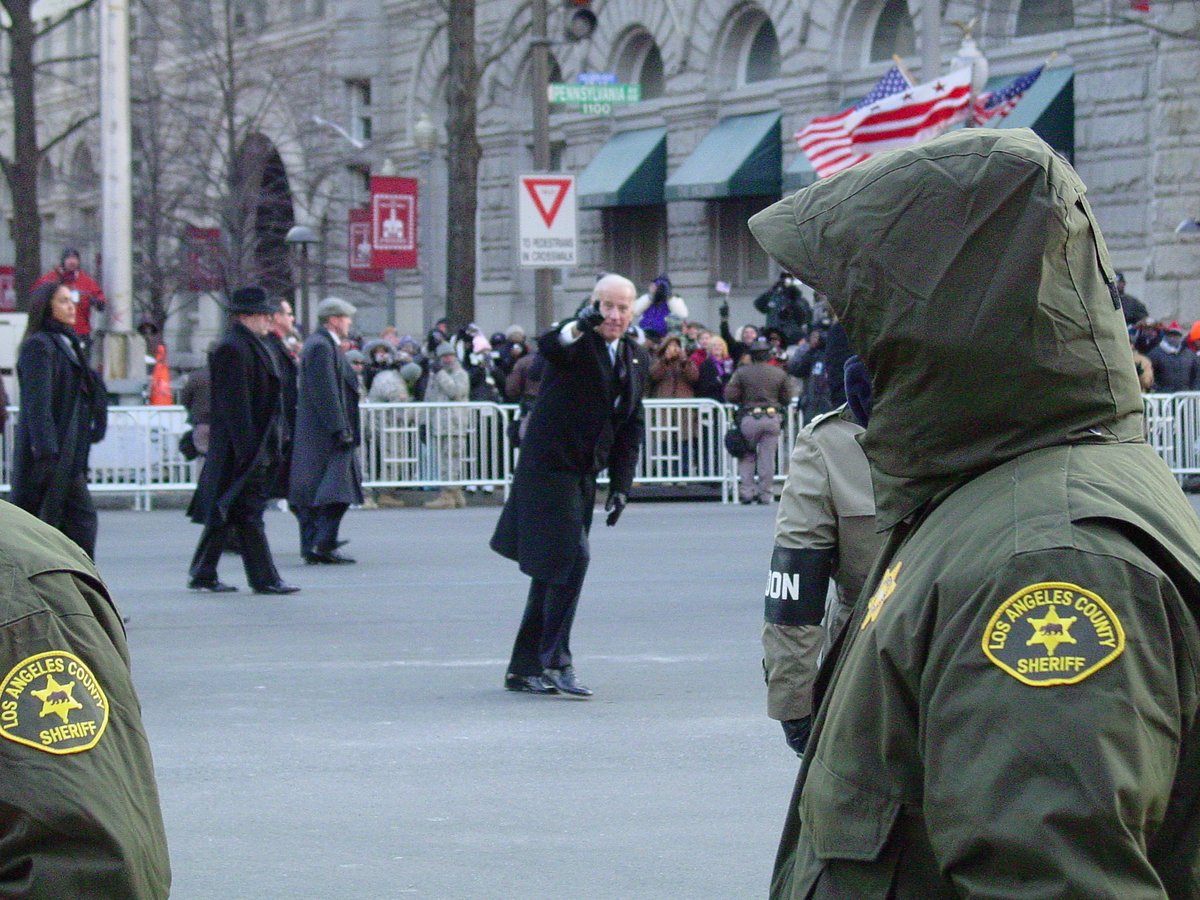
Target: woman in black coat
x=63, y=412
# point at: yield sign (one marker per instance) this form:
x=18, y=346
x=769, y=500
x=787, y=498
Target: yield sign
x=548, y=195
x=546, y=219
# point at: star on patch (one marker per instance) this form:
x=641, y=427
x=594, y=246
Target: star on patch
x=56, y=698
x=1051, y=630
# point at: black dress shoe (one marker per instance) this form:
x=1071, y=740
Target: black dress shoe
x=327, y=558
x=528, y=684
x=213, y=586
x=564, y=679
x=342, y=543
x=278, y=587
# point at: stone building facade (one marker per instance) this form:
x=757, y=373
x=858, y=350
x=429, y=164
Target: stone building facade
x=667, y=183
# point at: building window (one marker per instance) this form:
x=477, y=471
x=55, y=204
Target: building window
x=640, y=62
x=1043, y=16
x=635, y=242
x=735, y=255
x=893, y=35
x=762, y=55
x=359, y=90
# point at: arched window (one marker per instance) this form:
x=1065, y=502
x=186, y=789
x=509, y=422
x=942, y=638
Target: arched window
x=640, y=62
x=1042, y=16
x=894, y=33
x=762, y=56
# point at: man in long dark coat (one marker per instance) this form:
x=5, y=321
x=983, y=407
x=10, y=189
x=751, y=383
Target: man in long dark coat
x=244, y=449
x=326, y=473
x=282, y=326
x=588, y=416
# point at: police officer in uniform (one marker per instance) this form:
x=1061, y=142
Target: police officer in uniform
x=825, y=527
x=79, y=809
x=1014, y=708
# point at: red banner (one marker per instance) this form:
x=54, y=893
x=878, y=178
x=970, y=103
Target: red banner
x=393, y=223
x=202, y=247
x=358, y=248
x=8, y=289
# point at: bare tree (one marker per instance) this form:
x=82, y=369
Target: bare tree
x=25, y=75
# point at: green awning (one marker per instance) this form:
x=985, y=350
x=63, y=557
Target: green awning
x=741, y=157
x=800, y=174
x=1048, y=108
x=629, y=170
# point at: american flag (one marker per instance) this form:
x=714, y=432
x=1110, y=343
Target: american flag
x=911, y=115
x=825, y=140
x=998, y=104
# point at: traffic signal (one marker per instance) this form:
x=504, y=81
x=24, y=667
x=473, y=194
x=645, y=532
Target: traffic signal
x=581, y=21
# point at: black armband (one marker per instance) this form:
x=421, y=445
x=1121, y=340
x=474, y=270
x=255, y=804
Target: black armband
x=796, y=586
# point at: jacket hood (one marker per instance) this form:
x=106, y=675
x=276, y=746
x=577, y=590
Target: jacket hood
x=972, y=279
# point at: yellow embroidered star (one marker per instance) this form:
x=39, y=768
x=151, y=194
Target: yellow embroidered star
x=887, y=586
x=1051, y=630
x=56, y=698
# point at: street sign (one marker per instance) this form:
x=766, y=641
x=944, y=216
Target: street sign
x=203, y=250
x=596, y=78
x=358, y=248
x=393, y=222
x=546, y=215
x=593, y=98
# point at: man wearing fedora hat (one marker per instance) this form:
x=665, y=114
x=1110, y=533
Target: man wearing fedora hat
x=244, y=450
x=326, y=474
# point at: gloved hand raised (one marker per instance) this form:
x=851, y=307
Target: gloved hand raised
x=723, y=310
x=590, y=318
x=614, y=506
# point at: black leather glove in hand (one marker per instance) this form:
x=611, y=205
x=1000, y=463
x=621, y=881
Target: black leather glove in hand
x=344, y=439
x=796, y=732
x=614, y=506
x=589, y=318
x=723, y=310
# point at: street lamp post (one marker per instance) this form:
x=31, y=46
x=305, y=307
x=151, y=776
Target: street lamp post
x=302, y=236
x=425, y=136
x=543, y=284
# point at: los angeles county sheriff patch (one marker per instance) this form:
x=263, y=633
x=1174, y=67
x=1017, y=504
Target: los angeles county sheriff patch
x=1053, y=633
x=52, y=702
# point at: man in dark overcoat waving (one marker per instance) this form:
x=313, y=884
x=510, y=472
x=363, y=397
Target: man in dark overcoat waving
x=588, y=417
x=326, y=473
x=244, y=450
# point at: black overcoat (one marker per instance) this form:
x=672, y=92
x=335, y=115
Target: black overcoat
x=580, y=424
x=63, y=412
x=245, y=421
x=289, y=375
x=322, y=471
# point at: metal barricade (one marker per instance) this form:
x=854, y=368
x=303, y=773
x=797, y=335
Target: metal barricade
x=1173, y=430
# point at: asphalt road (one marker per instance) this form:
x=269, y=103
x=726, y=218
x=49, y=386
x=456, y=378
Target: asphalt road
x=354, y=740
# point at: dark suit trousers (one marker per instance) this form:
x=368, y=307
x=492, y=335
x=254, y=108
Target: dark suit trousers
x=245, y=519
x=319, y=526
x=544, y=638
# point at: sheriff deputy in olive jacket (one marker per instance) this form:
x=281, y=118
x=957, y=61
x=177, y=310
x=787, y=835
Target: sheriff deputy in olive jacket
x=1014, y=710
x=79, y=809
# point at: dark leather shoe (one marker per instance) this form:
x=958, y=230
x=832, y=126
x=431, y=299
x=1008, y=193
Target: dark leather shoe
x=340, y=544
x=528, y=684
x=278, y=587
x=213, y=587
x=327, y=558
x=564, y=679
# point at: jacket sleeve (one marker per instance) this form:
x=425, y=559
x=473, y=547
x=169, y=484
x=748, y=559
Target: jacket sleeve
x=320, y=381
x=552, y=349
x=1045, y=789
x=35, y=371
x=806, y=538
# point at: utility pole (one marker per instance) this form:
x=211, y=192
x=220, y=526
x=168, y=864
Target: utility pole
x=116, y=188
x=543, y=289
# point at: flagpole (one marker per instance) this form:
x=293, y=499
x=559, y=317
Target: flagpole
x=903, y=71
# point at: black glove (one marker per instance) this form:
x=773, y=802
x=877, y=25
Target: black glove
x=614, y=506
x=589, y=318
x=344, y=439
x=796, y=732
x=723, y=310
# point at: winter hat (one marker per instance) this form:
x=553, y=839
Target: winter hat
x=858, y=389
x=444, y=349
x=662, y=289
x=410, y=372
x=481, y=344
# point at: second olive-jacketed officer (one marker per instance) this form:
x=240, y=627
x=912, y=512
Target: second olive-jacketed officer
x=1014, y=708
x=825, y=528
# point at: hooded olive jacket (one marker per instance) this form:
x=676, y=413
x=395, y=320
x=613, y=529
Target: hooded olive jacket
x=1013, y=710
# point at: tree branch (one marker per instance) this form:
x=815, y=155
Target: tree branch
x=64, y=18
x=70, y=130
